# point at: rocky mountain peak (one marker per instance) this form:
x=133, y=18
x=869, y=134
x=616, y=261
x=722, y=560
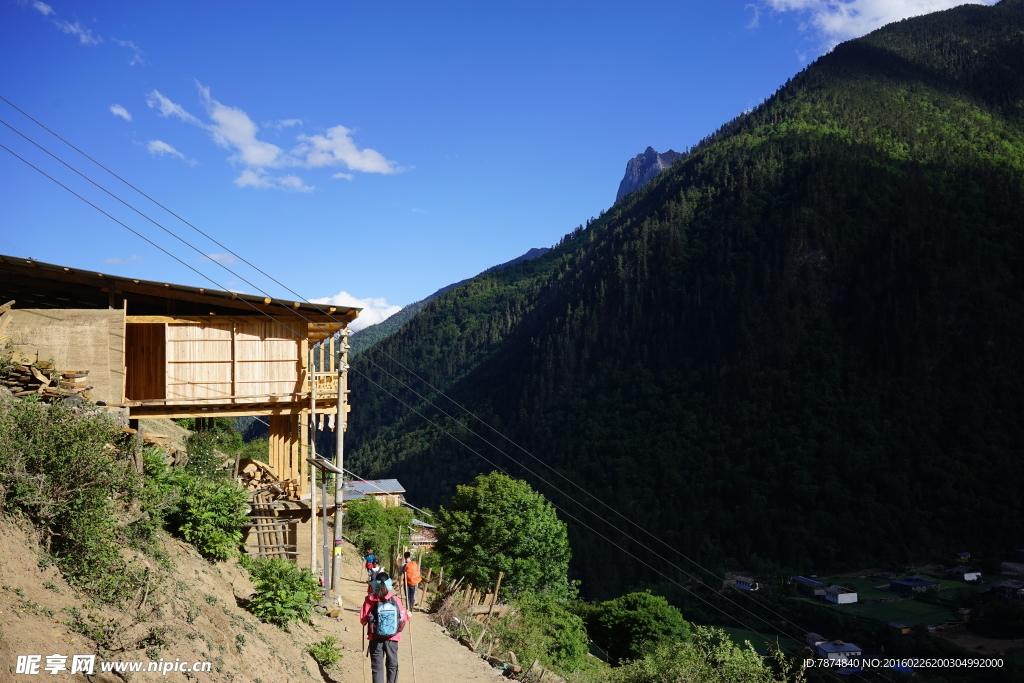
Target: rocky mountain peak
x=642, y=168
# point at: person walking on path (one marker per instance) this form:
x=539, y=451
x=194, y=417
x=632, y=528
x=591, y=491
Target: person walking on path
x=412, y=579
x=385, y=618
x=371, y=560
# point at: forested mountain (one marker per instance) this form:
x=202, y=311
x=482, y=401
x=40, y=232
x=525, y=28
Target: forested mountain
x=368, y=336
x=801, y=345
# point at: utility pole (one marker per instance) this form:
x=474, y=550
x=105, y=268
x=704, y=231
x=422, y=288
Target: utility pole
x=339, y=458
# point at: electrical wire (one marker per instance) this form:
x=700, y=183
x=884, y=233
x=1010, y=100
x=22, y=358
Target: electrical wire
x=474, y=451
x=396, y=361
x=374, y=363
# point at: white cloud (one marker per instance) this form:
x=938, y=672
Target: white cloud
x=260, y=179
x=343, y=176
x=337, y=148
x=294, y=182
x=233, y=129
x=118, y=110
x=375, y=309
x=837, y=20
x=85, y=36
x=161, y=148
x=45, y=9
x=136, y=57
x=167, y=108
x=226, y=259
x=415, y=210
x=755, y=18
x=250, y=178
x=114, y=261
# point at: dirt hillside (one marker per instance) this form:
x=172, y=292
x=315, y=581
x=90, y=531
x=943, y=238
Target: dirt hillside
x=192, y=613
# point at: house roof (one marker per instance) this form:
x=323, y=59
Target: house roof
x=378, y=486
x=815, y=638
x=808, y=582
x=834, y=647
x=422, y=524
x=838, y=590
x=34, y=284
x=912, y=583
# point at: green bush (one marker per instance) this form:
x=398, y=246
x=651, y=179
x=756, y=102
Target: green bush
x=209, y=513
x=544, y=627
x=59, y=470
x=205, y=458
x=709, y=657
x=629, y=626
x=284, y=592
x=326, y=651
x=257, y=449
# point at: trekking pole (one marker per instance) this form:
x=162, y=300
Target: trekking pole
x=364, y=660
x=412, y=649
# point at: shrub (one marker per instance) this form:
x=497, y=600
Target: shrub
x=629, y=626
x=709, y=657
x=284, y=592
x=209, y=513
x=543, y=627
x=326, y=651
x=59, y=468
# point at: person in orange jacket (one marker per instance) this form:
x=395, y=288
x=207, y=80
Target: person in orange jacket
x=385, y=618
x=412, y=579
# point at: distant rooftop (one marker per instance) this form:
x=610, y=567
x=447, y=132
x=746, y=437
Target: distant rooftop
x=839, y=646
x=914, y=582
x=808, y=582
x=377, y=486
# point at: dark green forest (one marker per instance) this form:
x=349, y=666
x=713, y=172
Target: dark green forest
x=800, y=348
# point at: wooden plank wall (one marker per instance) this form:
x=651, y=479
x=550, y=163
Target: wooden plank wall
x=200, y=362
x=256, y=362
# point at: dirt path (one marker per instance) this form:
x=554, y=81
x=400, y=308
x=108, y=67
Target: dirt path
x=438, y=658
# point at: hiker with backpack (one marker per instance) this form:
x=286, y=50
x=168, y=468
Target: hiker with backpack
x=371, y=560
x=412, y=579
x=385, y=618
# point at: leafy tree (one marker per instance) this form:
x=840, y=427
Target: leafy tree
x=631, y=625
x=710, y=657
x=378, y=527
x=499, y=524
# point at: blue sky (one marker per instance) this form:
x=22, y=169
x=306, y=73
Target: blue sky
x=369, y=153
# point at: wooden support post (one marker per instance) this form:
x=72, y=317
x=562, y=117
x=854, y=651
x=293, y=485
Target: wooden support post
x=304, y=422
x=494, y=598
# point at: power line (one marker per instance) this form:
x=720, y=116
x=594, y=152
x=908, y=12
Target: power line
x=474, y=451
x=378, y=385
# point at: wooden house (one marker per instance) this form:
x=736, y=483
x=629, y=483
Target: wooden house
x=156, y=349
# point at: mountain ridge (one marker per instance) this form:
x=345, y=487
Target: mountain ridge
x=803, y=340
x=371, y=334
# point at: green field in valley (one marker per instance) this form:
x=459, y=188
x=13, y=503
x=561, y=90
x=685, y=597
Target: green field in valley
x=762, y=644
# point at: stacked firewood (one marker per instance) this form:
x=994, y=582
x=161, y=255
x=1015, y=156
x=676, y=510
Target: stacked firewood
x=255, y=475
x=25, y=379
